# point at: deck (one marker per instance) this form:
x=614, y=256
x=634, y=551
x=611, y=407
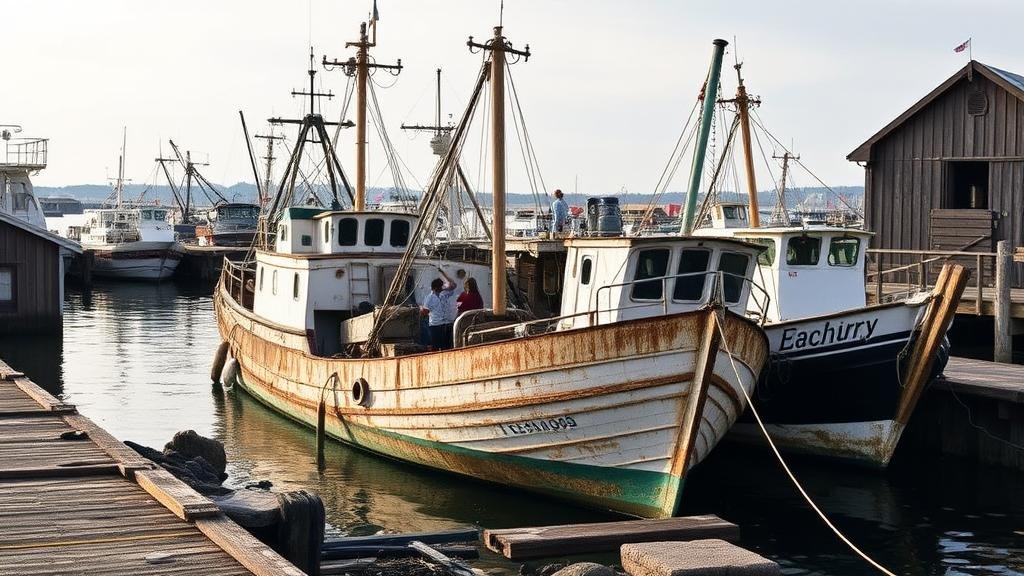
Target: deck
x=75, y=500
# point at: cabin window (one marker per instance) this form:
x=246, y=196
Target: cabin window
x=803, y=251
x=399, y=233
x=585, y=269
x=160, y=215
x=843, y=251
x=327, y=231
x=261, y=278
x=691, y=262
x=348, y=232
x=147, y=215
x=282, y=232
x=8, y=278
x=650, y=264
x=273, y=283
x=307, y=240
x=766, y=258
x=734, y=213
x=295, y=286
x=373, y=235
x=734, y=268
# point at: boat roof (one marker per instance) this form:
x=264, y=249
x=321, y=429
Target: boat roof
x=630, y=241
x=42, y=233
x=326, y=213
x=798, y=230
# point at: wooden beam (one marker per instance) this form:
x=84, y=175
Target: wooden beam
x=175, y=495
x=521, y=543
x=254, y=555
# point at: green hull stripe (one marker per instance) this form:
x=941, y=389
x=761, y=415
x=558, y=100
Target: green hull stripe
x=635, y=492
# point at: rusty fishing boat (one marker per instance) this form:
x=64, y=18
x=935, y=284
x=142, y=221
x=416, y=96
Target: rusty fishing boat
x=606, y=404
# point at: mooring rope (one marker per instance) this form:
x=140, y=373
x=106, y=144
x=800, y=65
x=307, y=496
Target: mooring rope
x=785, y=467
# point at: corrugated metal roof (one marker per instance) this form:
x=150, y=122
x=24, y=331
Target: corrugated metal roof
x=1015, y=79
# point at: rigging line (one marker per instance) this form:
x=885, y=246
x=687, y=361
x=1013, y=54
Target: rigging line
x=526, y=161
x=389, y=149
x=782, y=462
x=346, y=99
x=856, y=211
x=531, y=151
x=675, y=150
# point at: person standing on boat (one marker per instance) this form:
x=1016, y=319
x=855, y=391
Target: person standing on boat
x=560, y=213
x=440, y=312
x=470, y=299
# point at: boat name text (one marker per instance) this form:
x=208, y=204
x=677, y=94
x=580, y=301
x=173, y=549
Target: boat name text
x=537, y=426
x=829, y=333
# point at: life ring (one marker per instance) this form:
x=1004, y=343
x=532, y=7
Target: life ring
x=361, y=392
x=229, y=374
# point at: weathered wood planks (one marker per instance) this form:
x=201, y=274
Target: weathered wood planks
x=522, y=543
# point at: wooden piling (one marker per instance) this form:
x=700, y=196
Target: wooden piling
x=1003, y=322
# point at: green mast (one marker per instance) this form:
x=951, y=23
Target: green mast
x=706, y=116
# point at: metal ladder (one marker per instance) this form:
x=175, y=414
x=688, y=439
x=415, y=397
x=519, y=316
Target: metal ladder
x=359, y=283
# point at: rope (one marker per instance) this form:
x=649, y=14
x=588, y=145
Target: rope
x=799, y=487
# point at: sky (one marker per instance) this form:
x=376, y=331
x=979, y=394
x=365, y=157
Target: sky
x=605, y=93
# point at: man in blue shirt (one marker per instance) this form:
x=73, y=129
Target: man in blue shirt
x=440, y=311
x=560, y=212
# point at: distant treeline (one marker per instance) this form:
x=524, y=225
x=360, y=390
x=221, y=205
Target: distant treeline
x=245, y=192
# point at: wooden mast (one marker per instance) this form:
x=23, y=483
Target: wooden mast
x=743, y=103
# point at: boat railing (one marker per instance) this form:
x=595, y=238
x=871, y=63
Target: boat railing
x=545, y=325
x=239, y=279
x=29, y=153
x=893, y=280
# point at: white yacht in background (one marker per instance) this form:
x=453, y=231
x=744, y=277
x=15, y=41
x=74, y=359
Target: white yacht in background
x=128, y=240
x=21, y=157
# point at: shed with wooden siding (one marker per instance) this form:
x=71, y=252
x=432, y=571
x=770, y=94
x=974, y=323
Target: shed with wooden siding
x=31, y=276
x=948, y=173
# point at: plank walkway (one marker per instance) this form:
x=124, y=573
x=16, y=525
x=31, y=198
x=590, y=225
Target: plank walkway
x=76, y=501
x=968, y=302
x=986, y=379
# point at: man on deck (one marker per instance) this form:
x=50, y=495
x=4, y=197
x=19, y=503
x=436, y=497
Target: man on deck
x=560, y=213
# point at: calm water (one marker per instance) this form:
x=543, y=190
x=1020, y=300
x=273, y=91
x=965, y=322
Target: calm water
x=136, y=359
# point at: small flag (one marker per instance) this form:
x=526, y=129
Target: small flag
x=376, y=15
x=963, y=46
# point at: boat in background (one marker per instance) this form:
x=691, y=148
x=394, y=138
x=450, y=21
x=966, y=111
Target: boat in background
x=22, y=157
x=229, y=224
x=129, y=240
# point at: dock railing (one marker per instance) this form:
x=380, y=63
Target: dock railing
x=911, y=269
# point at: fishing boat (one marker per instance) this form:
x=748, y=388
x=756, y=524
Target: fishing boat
x=607, y=404
x=229, y=224
x=839, y=383
x=129, y=240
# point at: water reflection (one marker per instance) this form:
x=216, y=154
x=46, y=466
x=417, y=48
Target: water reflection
x=136, y=358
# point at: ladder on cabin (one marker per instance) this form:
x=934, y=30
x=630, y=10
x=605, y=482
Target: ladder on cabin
x=359, y=283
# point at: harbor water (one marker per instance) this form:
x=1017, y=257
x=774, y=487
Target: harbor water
x=136, y=359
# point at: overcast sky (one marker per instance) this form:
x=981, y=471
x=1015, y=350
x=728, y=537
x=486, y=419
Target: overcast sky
x=605, y=94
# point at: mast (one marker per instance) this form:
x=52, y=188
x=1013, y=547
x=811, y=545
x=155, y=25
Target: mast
x=707, y=115
x=120, y=165
x=780, y=216
x=268, y=177
x=743, y=103
x=438, y=122
x=498, y=47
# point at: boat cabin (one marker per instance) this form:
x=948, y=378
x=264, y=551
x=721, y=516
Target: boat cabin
x=119, y=225
x=614, y=279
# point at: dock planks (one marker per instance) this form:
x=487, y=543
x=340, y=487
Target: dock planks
x=550, y=541
x=986, y=379
x=92, y=506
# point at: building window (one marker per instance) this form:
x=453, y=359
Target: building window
x=734, y=268
x=588, y=264
x=803, y=251
x=399, y=233
x=348, y=231
x=691, y=262
x=843, y=251
x=8, y=292
x=374, y=233
x=650, y=264
x=295, y=286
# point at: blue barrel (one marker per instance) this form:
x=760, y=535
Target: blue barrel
x=604, y=217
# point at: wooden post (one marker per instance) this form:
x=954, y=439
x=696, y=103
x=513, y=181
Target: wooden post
x=878, y=280
x=359, y=202
x=920, y=274
x=498, y=172
x=743, y=103
x=979, y=300
x=1003, y=334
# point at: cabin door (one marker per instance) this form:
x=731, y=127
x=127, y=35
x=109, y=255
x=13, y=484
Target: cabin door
x=585, y=293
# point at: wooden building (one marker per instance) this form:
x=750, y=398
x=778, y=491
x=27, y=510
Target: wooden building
x=948, y=173
x=31, y=276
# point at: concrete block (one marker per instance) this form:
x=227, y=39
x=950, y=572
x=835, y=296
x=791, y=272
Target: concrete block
x=694, y=558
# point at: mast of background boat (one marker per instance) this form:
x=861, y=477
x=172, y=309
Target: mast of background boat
x=743, y=103
x=120, y=165
x=498, y=48
x=362, y=66
x=707, y=115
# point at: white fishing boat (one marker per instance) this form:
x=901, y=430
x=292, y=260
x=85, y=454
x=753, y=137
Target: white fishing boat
x=607, y=404
x=21, y=158
x=130, y=241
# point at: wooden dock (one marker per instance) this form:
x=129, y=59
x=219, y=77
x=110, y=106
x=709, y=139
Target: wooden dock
x=969, y=302
x=998, y=381
x=75, y=500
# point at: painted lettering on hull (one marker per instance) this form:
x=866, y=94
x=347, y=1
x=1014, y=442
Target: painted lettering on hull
x=827, y=334
x=538, y=426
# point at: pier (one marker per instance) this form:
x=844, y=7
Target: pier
x=75, y=500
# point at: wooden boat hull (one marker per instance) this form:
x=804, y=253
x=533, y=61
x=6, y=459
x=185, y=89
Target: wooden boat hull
x=609, y=416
